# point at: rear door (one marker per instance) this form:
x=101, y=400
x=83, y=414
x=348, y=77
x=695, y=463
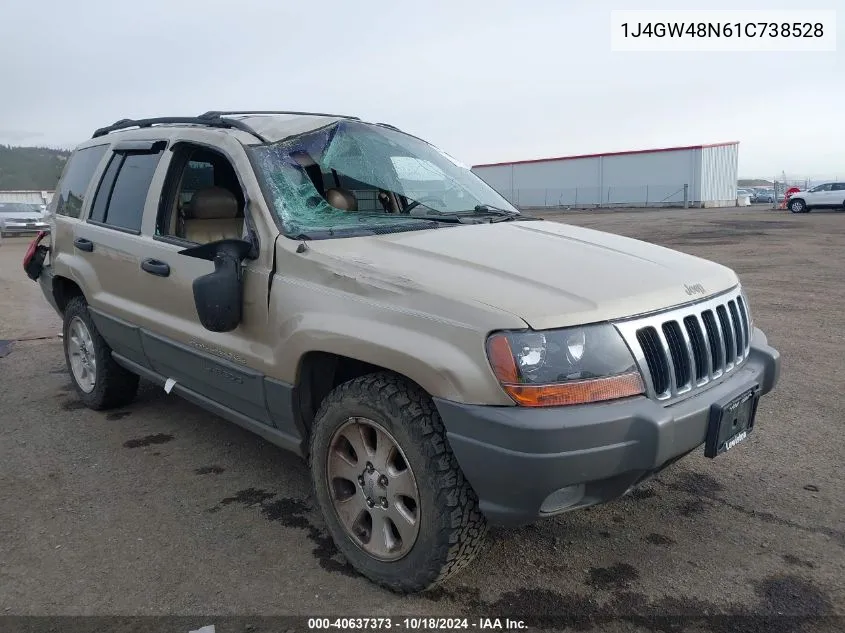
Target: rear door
x=109, y=243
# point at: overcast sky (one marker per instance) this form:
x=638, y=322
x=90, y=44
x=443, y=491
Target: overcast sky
x=488, y=81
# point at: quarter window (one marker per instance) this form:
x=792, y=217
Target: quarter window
x=77, y=175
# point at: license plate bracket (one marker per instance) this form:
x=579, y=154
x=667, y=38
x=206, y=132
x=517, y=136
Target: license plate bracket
x=731, y=421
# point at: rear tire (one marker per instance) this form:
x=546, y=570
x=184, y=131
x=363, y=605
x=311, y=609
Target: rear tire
x=99, y=381
x=447, y=531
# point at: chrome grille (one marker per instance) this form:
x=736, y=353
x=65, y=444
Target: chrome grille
x=681, y=350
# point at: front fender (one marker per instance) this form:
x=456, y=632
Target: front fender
x=450, y=363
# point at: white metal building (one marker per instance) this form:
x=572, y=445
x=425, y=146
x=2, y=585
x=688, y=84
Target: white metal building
x=35, y=197
x=696, y=175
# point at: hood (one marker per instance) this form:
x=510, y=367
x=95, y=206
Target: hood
x=548, y=274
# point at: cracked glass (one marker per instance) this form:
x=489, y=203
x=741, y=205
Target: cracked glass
x=397, y=182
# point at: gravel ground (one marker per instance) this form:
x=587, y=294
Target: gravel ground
x=163, y=509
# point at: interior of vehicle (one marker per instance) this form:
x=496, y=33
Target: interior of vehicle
x=345, y=193
x=203, y=199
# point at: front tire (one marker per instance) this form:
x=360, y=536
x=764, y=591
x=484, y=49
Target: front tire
x=99, y=381
x=395, y=500
x=798, y=206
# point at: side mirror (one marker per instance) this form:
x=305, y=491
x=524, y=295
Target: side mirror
x=218, y=296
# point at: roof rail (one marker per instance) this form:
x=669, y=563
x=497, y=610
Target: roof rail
x=211, y=120
x=221, y=113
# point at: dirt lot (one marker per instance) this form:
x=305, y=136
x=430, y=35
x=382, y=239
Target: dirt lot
x=162, y=509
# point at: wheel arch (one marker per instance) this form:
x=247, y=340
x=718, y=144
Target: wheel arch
x=65, y=289
x=319, y=372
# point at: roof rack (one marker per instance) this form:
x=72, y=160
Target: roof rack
x=220, y=113
x=209, y=119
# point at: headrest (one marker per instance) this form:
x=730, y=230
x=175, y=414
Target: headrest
x=341, y=199
x=303, y=158
x=213, y=203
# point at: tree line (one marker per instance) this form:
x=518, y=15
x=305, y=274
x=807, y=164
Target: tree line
x=30, y=168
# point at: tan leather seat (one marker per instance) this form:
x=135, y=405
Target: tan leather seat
x=341, y=199
x=212, y=215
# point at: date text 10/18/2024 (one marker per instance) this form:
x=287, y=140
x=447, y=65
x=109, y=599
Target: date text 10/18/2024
x=417, y=623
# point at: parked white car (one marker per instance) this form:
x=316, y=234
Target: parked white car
x=830, y=195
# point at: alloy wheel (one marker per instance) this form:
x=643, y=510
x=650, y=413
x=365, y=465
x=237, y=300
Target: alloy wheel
x=83, y=360
x=373, y=489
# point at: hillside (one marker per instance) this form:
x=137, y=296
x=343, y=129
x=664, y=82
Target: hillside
x=754, y=182
x=30, y=168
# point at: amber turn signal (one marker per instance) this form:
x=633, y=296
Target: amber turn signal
x=577, y=392
x=501, y=359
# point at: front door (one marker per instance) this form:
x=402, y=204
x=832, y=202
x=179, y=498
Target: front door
x=203, y=200
x=819, y=196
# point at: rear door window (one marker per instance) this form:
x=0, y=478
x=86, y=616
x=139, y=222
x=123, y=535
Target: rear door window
x=122, y=193
x=101, y=198
x=78, y=171
x=838, y=186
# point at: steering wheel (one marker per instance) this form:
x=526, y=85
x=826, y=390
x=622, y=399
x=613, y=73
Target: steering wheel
x=422, y=201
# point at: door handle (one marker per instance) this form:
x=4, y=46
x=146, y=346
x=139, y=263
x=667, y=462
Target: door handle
x=84, y=245
x=156, y=267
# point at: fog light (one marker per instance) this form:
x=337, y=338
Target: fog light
x=562, y=499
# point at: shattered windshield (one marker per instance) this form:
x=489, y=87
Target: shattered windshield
x=352, y=178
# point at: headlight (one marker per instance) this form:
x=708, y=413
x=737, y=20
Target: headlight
x=567, y=366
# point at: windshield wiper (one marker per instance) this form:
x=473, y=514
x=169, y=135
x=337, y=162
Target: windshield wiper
x=449, y=218
x=479, y=210
x=486, y=208
x=372, y=229
x=500, y=215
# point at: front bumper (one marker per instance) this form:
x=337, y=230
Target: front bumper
x=24, y=229
x=516, y=458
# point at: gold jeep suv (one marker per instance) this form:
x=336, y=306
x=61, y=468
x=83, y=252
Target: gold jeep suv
x=355, y=295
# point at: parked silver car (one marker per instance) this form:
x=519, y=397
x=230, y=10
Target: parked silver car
x=764, y=195
x=18, y=218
